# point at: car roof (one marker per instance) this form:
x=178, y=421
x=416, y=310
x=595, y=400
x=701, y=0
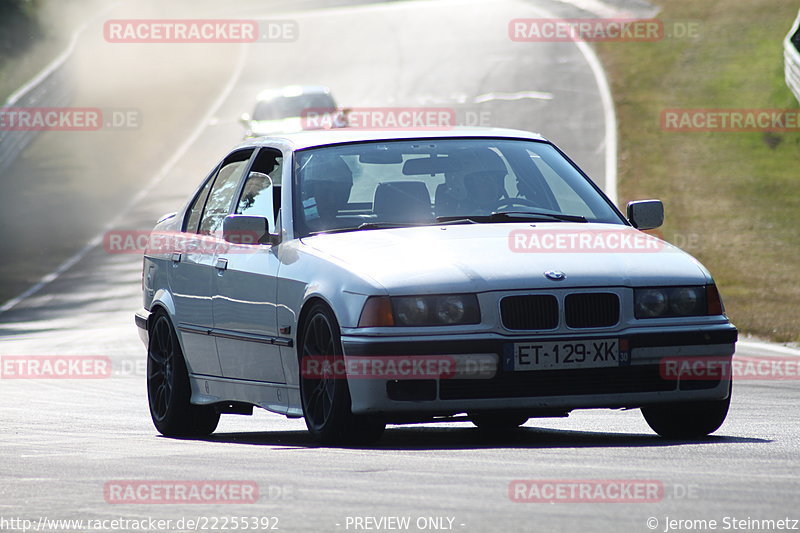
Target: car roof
x=315, y=138
x=292, y=90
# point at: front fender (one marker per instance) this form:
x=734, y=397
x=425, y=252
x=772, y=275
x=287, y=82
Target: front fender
x=162, y=298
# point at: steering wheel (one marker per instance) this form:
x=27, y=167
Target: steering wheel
x=509, y=202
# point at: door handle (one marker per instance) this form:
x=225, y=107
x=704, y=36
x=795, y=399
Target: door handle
x=222, y=263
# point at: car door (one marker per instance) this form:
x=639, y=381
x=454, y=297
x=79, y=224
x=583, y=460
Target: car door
x=193, y=264
x=245, y=284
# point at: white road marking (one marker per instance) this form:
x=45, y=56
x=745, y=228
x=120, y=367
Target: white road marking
x=520, y=95
x=610, y=119
x=755, y=346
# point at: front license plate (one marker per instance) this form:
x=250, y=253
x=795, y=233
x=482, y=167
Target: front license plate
x=563, y=355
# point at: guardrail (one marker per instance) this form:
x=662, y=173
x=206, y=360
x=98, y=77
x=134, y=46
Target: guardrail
x=49, y=88
x=52, y=87
x=791, y=57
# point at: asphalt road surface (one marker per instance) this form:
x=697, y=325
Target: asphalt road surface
x=67, y=444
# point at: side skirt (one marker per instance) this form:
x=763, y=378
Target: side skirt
x=276, y=397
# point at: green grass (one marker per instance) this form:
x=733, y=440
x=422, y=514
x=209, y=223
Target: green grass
x=732, y=199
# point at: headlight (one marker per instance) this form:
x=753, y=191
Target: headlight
x=443, y=310
x=650, y=303
x=684, y=301
x=450, y=309
x=662, y=302
x=411, y=310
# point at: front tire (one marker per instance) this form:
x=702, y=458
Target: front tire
x=687, y=420
x=325, y=394
x=168, y=389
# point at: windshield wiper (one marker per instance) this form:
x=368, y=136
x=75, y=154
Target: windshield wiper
x=501, y=216
x=367, y=225
x=513, y=216
x=533, y=214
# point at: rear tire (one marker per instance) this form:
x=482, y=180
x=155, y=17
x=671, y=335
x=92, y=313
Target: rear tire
x=168, y=390
x=687, y=420
x=497, y=420
x=326, y=397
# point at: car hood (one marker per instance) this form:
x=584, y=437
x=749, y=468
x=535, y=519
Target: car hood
x=483, y=257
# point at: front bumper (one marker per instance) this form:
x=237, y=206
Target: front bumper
x=543, y=391
x=141, y=317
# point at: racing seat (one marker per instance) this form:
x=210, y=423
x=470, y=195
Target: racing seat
x=402, y=202
x=446, y=204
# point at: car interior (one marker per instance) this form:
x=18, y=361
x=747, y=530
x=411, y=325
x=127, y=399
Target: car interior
x=406, y=184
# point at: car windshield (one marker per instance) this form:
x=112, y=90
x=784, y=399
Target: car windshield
x=292, y=106
x=430, y=181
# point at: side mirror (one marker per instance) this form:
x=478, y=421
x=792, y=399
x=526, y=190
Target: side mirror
x=247, y=229
x=245, y=119
x=646, y=214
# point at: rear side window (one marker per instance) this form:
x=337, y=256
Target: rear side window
x=220, y=196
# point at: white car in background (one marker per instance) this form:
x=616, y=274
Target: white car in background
x=293, y=108
x=365, y=278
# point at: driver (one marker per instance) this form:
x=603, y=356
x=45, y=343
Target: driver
x=476, y=185
x=326, y=181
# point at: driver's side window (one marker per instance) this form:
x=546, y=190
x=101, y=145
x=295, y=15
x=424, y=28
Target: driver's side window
x=222, y=192
x=261, y=192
